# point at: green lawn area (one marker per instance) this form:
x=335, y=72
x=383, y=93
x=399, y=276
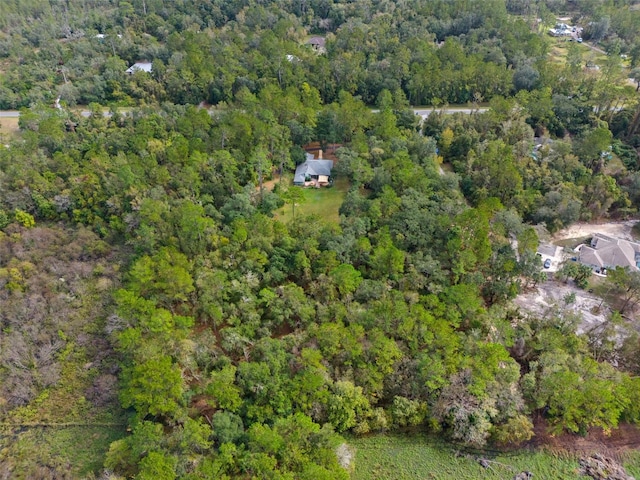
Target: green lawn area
x=558, y=52
x=403, y=457
x=324, y=202
x=572, y=242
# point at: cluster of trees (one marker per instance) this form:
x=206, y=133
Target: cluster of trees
x=555, y=182
x=80, y=51
x=245, y=346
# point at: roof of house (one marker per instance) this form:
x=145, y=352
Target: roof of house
x=144, y=66
x=317, y=41
x=312, y=168
x=548, y=249
x=610, y=252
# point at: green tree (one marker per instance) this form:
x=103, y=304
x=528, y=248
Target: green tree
x=157, y=466
x=25, y=219
x=346, y=278
x=153, y=387
x=293, y=196
x=347, y=407
x=223, y=391
x=387, y=260
x=627, y=282
x=493, y=173
x=163, y=276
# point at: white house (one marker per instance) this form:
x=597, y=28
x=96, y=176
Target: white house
x=142, y=66
x=606, y=252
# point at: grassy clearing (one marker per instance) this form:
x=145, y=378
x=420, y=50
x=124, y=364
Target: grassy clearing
x=324, y=202
x=572, y=242
x=632, y=464
x=9, y=126
x=78, y=450
x=395, y=457
x=402, y=457
x=558, y=52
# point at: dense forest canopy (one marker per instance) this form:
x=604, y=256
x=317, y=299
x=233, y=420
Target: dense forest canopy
x=80, y=50
x=145, y=281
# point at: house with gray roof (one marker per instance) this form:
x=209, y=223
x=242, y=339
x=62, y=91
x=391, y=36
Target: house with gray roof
x=313, y=172
x=607, y=252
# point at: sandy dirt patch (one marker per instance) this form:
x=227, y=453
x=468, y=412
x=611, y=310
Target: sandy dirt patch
x=551, y=295
x=580, y=230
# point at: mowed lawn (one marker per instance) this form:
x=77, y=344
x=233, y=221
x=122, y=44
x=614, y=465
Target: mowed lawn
x=404, y=457
x=324, y=202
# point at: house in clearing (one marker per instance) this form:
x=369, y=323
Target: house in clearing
x=562, y=30
x=142, y=66
x=606, y=252
x=313, y=172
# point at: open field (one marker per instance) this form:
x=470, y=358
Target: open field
x=558, y=52
x=396, y=457
x=324, y=202
x=8, y=126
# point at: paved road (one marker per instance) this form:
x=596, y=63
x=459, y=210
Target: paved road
x=423, y=112
x=16, y=114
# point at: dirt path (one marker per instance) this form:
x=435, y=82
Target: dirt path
x=593, y=47
x=580, y=230
x=269, y=184
x=622, y=440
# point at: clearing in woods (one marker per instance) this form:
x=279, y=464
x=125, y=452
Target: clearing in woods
x=409, y=457
x=8, y=126
x=324, y=202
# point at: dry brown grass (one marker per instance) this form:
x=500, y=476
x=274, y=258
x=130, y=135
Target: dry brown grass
x=9, y=126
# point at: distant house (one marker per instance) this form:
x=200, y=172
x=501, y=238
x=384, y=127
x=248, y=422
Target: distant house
x=313, y=172
x=317, y=43
x=562, y=30
x=102, y=36
x=606, y=252
x=139, y=66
